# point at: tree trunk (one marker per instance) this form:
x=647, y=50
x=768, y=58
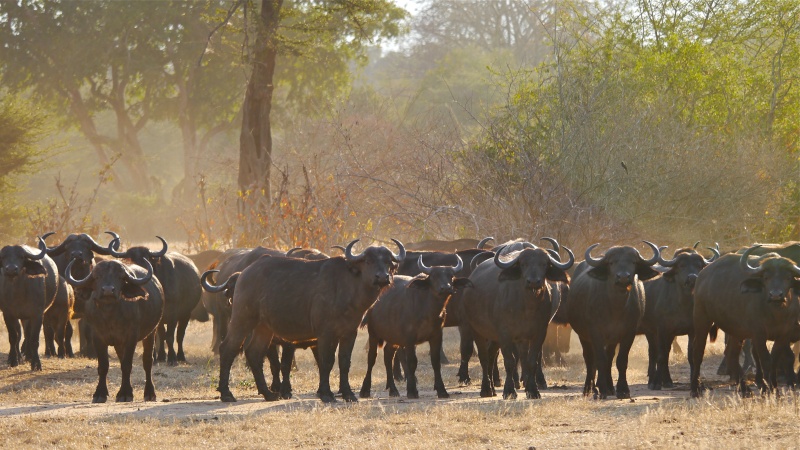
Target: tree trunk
x=255, y=140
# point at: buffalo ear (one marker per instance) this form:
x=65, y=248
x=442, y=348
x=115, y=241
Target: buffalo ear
x=556, y=274
x=752, y=286
x=512, y=273
x=599, y=273
x=34, y=267
x=461, y=283
x=646, y=272
x=133, y=293
x=420, y=282
x=669, y=276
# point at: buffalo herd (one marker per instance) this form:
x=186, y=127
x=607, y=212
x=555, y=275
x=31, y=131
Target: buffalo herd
x=513, y=300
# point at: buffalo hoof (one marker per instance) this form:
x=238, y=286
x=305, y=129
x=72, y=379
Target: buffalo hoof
x=512, y=394
x=275, y=386
x=623, y=394
x=99, y=399
x=413, y=394
x=464, y=381
x=327, y=398
x=365, y=393
x=36, y=366
x=226, y=396
x=517, y=385
x=442, y=394
x=393, y=392
x=487, y=393
x=534, y=395
x=286, y=392
x=270, y=396
x=653, y=386
x=350, y=397
x=669, y=384
x=124, y=398
x=181, y=357
x=151, y=397
x=172, y=363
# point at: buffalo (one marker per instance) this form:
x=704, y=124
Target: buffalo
x=606, y=304
x=409, y=313
x=124, y=306
x=301, y=301
x=57, y=326
x=509, y=307
x=759, y=302
x=668, y=310
x=180, y=280
x=27, y=289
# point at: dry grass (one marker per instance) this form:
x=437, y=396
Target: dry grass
x=52, y=409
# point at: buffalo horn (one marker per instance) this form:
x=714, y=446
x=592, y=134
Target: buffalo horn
x=715, y=251
x=115, y=239
x=348, y=253
x=145, y=279
x=422, y=267
x=656, y=254
x=695, y=245
x=42, y=251
x=73, y=281
x=459, y=265
x=113, y=246
x=484, y=241
x=666, y=263
x=479, y=258
x=289, y=253
x=504, y=264
x=97, y=248
x=745, y=265
x=58, y=249
x=556, y=262
x=163, y=250
x=339, y=247
x=210, y=287
x=552, y=241
x=402, y=255
x=594, y=262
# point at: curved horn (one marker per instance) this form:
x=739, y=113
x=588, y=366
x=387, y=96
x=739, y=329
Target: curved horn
x=210, y=287
x=113, y=246
x=459, y=265
x=116, y=238
x=745, y=265
x=58, y=249
x=42, y=251
x=479, y=258
x=504, y=264
x=656, y=254
x=73, y=281
x=484, y=241
x=422, y=267
x=715, y=251
x=97, y=248
x=666, y=263
x=552, y=241
x=163, y=250
x=348, y=253
x=402, y=255
x=145, y=279
x=338, y=247
x=556, y=262
x=796, y=270
x=695, y=245
x=292, y=250
x=594, y=262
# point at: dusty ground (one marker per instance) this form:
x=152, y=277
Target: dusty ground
x=52, y=409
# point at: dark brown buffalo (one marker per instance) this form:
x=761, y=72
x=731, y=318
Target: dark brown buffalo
x=180, y=280
x=124, y=306
x=606, y=304
x=755, y=298
x=409, y=313
x=509, y=306
x=57, y=327
x=300, y=301
x=556, y=343
x=204, y=261
x=668, y=310
x=84, y=250
x=28, y=287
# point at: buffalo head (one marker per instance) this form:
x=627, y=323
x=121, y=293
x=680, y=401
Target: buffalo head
x=138, y=254
x=112, y=281
x=16, y=258
x=440, y=279
x=376, y=264
x=621, y=264
x=774, y=274
x=685, y=265
x=228, y=287
x=77, y=246
x=535, y=265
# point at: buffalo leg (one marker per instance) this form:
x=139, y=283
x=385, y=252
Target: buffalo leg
x=389, y=352
x=529, y=358
x=603, y=365
x=702, y=326
x=49, y=340
x=68, y=331
x=496, y=381
x=372, y=355
x=259, y=344
x=160, y=354
x=733, y=349
x=588, y=360
x=147, y=364
x=14, y=333
x=287, y=359
x=125, y=356
x=465, y=346
x=101, y=392
x=346, y=345
x=653, y=346
x=411, y=372
x=487, y=388
x=662, y=361
x=436, y=363
x=326, y=346
x=87, y=341
x=510, y=363
x=181, y=333
x=32, y=331
x=172, y=358
x=767, y=364
x=623, y=390
x=229, y=348
x=535, y=364
x=399, y=367
x=274, y=366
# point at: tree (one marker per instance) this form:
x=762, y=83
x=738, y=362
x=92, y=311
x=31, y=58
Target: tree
x=330, y=35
